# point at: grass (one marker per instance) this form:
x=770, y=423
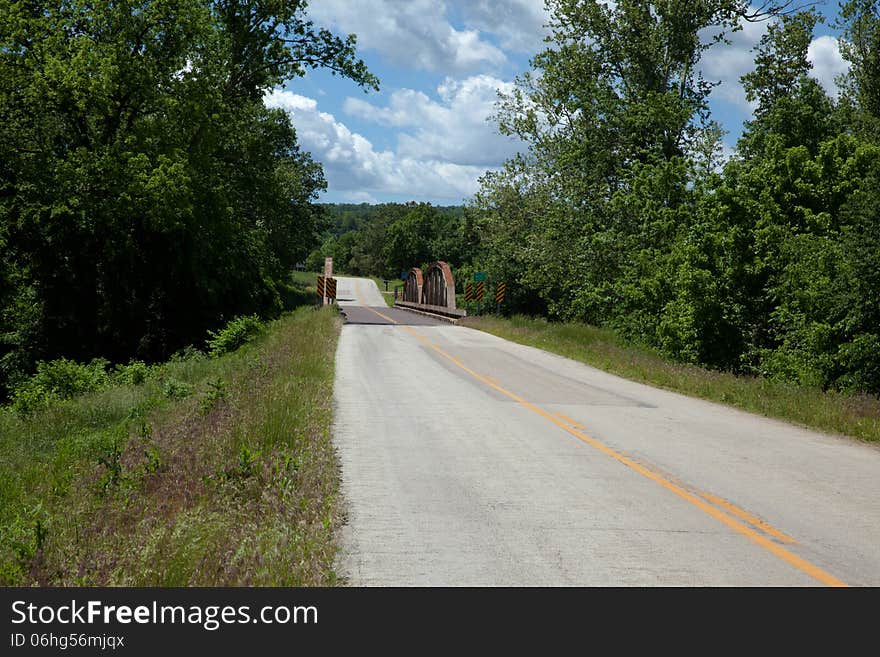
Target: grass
x=389, y=295
x=215, y=471
x=307, y=283
x=857, y=416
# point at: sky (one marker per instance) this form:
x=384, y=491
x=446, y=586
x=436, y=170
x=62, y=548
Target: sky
x=428, y=135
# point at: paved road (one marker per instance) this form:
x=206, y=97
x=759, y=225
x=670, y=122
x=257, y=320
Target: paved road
x=360, y=298
x=470, y=460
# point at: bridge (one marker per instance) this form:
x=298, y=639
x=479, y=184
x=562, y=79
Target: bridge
x=431, y=292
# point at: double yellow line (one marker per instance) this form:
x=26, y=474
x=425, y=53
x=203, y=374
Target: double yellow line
x=714, y=506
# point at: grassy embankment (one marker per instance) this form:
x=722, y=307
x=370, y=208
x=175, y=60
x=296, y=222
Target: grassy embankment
x=389, y=295
x=853, y=415
x=216, y=470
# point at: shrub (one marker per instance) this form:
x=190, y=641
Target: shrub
x=860, y=359
x=188, y=353
x=174, y=389
x=133, y=374
x=237, y=332
x=216, y=392
x=59, y=379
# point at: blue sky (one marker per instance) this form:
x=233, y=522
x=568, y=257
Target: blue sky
x=427, y=134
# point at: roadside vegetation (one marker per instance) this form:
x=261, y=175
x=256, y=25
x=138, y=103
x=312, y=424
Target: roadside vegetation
x=308, y=281
x=856, y=415
x=387, y=295
x=623, y=213
x=626, y=209
x=214, y=468
x=151, y=190
x=380, y=241
x=164, y=413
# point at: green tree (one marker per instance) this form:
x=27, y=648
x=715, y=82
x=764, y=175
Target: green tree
x=618, y=214
x=409, y=238
x=612, y=115
x=859, y=21
x=146, y=193
x=794, y=218
x=792, y=107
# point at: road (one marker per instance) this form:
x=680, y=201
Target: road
x=470, y=460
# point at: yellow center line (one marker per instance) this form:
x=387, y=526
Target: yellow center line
x=789, y=557
x=749, y=518
x=385, y=317
x=574, y=423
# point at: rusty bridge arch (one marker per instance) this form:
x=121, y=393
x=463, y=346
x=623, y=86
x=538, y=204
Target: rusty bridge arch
x=431, y=292
x=412, y=289
x=439, y=285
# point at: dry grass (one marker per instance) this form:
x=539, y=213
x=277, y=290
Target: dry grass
x=857, y=416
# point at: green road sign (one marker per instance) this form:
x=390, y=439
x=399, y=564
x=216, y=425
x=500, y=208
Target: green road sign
x=479, y=276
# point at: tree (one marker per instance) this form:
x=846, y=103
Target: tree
x=146, y=193
x=409, y=238
x=611, y=117
x=794, y=216
x=859, y=21
x=619, y=215
x=791, y=106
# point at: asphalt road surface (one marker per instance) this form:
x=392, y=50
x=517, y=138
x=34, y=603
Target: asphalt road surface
x=470, y=460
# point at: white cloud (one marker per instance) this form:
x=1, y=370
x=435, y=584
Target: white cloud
x=456, y=129
x=828, y=63
x=358, y=196
x=518, y=24
x=414, y=33
x=355, y=170
x=727, y=62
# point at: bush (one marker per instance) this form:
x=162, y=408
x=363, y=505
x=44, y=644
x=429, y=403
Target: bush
x=237, y=332
x=215, y=393
x=59, y=379
x=174, y=389
x=27, y=400
x=860, y=359
x=188, y=353
x=133, y=374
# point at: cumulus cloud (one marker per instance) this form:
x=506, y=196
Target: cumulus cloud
x=444, y=141
x=454, y=129
x=518, y=24
x=356, y=170
x=416, y=33
x=727, y=62
x=828, y=63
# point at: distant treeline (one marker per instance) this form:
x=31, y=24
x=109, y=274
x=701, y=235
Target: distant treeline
x=623, y=213
x=146, y=192
x=385, y=239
